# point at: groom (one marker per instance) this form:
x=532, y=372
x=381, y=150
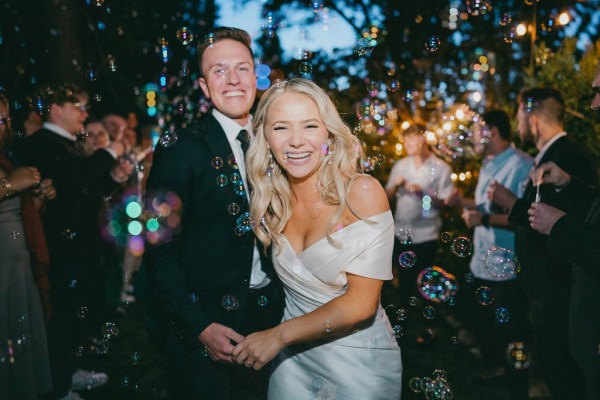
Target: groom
x=211, y=282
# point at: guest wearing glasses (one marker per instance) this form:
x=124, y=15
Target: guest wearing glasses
x=77, y=251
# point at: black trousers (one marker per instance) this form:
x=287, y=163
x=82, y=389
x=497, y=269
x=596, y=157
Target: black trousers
x=549, y=318
x=492, y=335
x=193, y=375
x=78, y=310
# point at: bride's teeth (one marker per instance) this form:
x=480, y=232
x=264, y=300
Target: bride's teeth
x=297, y=156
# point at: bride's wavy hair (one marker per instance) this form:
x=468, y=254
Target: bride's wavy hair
x=271, y=190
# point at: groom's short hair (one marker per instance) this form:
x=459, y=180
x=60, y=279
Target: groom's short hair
x=222, y=33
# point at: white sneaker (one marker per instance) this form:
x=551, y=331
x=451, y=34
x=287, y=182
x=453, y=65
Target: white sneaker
x=83, y=379
x=72, y=396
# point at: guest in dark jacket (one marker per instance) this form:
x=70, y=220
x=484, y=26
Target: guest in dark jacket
x=72, y=228
x=546, y=278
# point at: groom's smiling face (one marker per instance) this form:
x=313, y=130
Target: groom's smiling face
x=228, y=79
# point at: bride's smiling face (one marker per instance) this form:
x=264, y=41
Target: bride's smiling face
x=296, y=135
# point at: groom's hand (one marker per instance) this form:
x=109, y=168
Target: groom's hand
x=217, y=338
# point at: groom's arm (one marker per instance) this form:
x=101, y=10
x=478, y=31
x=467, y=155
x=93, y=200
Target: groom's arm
x=172, y=172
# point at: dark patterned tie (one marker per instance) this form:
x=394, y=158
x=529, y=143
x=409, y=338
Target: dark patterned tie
x=244, y=138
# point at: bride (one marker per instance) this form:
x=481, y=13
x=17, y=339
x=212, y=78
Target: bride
x=331, y=233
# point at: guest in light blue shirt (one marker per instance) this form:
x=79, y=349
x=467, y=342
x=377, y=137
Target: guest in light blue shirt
x=505, y=320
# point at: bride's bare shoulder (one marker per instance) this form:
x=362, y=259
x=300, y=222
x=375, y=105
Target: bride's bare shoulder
x=366, y=197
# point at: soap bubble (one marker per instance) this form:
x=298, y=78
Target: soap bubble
x=433, y=44
x=230, y=303
x=407, y=259
x=500, y=263
x=485, y=295
x=461, y=247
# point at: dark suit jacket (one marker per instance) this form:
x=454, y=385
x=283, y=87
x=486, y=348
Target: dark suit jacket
x=72, y=220
x=205, y=263
x=543, y=275
x=578, y=242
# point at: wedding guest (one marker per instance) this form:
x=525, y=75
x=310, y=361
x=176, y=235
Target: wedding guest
x=212, y=285
x=71, y=224
x=97, y=138
x=418, y=184
x=544, y=277
x=505, y=164
x=578, y=242
x=26, y=122
x=331, y=230
x=25, y=369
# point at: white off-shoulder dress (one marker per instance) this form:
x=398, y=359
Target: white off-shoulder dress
x=363, y=364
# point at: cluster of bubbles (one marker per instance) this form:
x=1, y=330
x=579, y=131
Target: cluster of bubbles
x=476, y=8
x=543, y=55
x=371, y=162
x=169, y=137
x=404, y=235
x=456, y=134
x=12, y=348
x=501, y=263
x=230, y=302
x=435, y=387
x=132, y=222
x=368, y=41
x=517, y=355
x=185, y=36
x=269, y=28
x=375, y=116
x=96, y=346
x=436, y=284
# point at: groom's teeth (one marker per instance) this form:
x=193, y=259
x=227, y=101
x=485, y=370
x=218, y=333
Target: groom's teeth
x=233, y=94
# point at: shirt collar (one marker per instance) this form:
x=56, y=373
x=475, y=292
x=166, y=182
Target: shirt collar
x=549, y=143
x=59, y=130
x=231, y=128
x=502, y=156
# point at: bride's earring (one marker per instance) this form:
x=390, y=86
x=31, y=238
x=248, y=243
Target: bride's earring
x=326, y=148
x=269, y=170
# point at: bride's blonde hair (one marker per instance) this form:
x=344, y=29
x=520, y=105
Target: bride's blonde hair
x=271, y=191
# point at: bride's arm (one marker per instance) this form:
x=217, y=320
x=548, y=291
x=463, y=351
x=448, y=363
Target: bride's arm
x=341, y=314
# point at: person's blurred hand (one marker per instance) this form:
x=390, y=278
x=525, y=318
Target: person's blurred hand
x=23, y=178
x=413, y=188
x=123, y=170
x=45, y=190
x=501, y=196
x=549, y=173
x=472, y=218
x=542, y=217
x=219, y=341
x=454, y=200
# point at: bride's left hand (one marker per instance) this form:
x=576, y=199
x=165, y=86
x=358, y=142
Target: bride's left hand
x=257, y=349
